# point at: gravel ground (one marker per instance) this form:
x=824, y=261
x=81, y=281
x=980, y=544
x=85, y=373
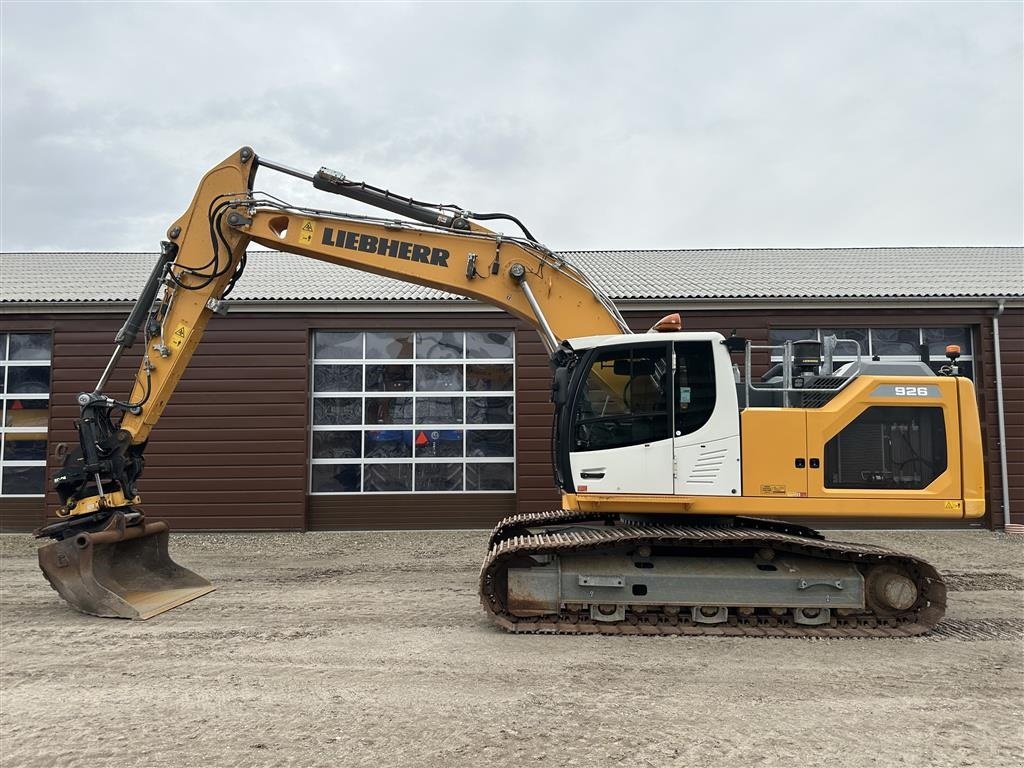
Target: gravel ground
x=370, y=649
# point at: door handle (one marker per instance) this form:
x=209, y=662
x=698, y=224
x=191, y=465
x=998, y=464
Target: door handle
x=815, y=463
x=799, y=463
x=590, y=474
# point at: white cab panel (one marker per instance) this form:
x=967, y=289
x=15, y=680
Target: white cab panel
x=644, y=468
x=708, y=469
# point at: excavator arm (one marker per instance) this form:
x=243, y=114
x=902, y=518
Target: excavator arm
x=439, y=247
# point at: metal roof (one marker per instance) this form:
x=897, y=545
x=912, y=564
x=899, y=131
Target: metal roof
x=777, y=273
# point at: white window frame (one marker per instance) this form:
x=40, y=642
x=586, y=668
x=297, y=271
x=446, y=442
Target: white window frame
x=413, y=394
x=6, y=397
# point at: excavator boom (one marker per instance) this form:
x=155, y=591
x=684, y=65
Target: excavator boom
x=105, y=560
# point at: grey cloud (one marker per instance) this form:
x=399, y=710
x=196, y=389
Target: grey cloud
x=602, y=126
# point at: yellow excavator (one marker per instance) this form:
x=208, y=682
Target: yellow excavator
x=671, y=456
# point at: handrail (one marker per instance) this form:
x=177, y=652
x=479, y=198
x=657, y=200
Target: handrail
x=787, y=370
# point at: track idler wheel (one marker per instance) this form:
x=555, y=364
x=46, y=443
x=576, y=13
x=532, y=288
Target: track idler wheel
x=890, y=591
x=122, y=570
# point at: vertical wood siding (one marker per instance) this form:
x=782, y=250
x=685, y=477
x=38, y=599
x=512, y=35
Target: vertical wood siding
x=231, y=451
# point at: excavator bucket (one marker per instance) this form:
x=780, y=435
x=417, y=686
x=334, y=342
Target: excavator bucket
x=121, y=571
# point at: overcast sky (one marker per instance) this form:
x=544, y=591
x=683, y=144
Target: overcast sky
x=600, y=126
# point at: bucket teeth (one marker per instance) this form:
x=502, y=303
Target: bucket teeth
x=120, y=572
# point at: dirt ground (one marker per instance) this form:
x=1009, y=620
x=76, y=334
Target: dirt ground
x=370, y=649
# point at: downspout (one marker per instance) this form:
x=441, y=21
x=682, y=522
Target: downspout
x=1000, y=414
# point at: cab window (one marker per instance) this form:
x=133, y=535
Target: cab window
x=624, y=399
x=694, y=385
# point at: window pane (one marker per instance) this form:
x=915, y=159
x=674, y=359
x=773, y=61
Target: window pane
x=336, y=478
x=696, y=391
x=22, y=480
x=389, y=410
x=336, y=410
x=846, y=349
x=3, y=346
x=389, y=378
x=381, y=478
x=624, y=400
x=388, y=444
x=439, y=477
x=489, y=410
x=338, y=345
x=337, y=445
x=482, y=377
x=26, y=413
x=30, y=346
x=438, y=442
x=438, y=378
x=388, y=345
x=439, y=345
x=489, y=442
x=337, y=378
x=938, y=338
x=25, y=446
x=438, y=410
x=895, y=341
x=34, y=380
x=489, y=344
x=782, y=335
x=490, y=477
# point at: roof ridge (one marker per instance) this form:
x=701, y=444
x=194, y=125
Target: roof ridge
x=606, y=250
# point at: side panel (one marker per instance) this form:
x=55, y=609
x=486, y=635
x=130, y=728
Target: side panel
x=774, y=444
x=899, y=450
x=971, y=450
x=710, y=468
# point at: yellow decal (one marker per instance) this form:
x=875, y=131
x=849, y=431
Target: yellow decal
x=773, y=490
x=180, y=336
x=956, y=506
x=306, y=231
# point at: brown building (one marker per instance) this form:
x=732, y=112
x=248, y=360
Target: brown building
x=329, y=398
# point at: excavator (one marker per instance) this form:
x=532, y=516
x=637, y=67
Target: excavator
x=673, y=459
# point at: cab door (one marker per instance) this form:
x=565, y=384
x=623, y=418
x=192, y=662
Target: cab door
x=706, y=430
x=621, y=438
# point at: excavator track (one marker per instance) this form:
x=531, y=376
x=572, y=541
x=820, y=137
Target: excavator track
x=515, y=543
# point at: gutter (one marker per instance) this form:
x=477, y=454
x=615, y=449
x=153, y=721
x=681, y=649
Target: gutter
x=1001, y=416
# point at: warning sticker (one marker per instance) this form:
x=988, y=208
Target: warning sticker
x=956, y=506
x=773, y=490
x=179, y=337
x=306, y=231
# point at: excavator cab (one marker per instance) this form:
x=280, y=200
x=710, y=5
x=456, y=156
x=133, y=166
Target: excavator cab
x=639, y=407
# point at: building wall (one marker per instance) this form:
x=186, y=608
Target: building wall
x=231, y=451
